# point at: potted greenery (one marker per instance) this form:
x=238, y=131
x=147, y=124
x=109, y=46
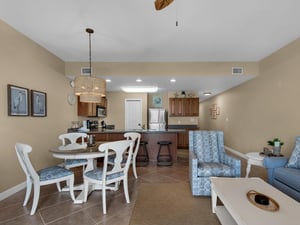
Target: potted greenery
x=276, y=143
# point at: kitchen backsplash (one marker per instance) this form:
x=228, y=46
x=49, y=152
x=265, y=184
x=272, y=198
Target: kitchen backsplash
x=183, y=120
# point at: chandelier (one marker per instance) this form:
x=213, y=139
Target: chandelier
x=90, y=88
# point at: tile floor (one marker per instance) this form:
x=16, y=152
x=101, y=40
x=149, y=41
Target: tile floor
x=57, y=208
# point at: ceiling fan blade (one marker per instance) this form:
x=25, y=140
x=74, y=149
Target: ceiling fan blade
x=160, y=4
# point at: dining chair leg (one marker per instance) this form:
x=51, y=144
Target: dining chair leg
x=28, y=191
x=58, y=187
x=36, y=197
x=104, y=199
x=134, y=169
x=125, y=185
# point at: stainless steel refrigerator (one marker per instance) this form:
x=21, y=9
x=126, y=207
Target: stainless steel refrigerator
x=157, y=119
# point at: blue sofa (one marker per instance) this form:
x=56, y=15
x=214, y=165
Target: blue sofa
x=284, y=173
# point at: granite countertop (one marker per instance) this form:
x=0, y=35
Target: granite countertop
x=136, y=130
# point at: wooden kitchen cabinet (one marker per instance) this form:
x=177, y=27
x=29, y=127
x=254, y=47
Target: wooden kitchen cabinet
x=184, y=106
x=183, y=139
x=89, y=109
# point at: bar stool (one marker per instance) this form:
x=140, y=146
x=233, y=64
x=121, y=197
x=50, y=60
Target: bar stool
x=142, y=159
x=164, y=159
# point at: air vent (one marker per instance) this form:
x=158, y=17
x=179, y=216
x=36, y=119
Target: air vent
x=86, y=71
x=237, y=70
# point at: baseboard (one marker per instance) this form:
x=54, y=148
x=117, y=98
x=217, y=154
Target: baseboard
x=235, y=152
x=11, y=191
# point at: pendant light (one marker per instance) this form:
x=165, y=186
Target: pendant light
x=161, y=4
x=90, y=88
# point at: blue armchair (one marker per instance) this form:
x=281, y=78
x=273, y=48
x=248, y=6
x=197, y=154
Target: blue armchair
x=284, y=173
x=207, y=158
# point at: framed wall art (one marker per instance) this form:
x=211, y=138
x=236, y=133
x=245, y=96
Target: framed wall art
x=17, y=100
x=38, y=103
x=157, y=101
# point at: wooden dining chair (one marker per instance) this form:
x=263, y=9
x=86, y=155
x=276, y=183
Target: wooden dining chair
x=111, y=174
x=50, y=175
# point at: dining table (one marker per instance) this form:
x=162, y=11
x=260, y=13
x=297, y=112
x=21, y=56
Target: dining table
x=91, y=153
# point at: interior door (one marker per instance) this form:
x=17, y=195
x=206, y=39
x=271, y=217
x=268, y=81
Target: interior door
x=133, y=113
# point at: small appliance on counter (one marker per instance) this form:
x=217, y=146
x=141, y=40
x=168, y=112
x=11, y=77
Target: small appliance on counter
x=88, y=125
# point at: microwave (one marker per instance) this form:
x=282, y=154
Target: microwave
x=101, y=111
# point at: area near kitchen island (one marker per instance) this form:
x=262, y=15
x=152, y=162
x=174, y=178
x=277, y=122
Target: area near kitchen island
x=151, y=136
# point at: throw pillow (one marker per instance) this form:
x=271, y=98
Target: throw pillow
x=294, y=161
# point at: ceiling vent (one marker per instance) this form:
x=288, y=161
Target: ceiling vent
x=86, y=71
x=237, y=70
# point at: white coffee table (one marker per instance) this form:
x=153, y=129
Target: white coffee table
x=237, y=209
x=254, y=158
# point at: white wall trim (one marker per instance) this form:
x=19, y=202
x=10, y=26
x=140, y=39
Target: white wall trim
x=11, y=191
x=235, y=152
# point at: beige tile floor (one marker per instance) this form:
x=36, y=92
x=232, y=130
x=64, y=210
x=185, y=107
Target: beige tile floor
x=57, y=208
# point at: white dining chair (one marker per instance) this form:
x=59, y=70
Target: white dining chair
x=110, y=174
x=50, y=175
x=73, y=141
x=136, y=138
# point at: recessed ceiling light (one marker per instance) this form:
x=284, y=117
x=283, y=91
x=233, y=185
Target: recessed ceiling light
x=138, y=80
x=207, y=93
x=140, y=89
x=173, y=80
x=108, y=80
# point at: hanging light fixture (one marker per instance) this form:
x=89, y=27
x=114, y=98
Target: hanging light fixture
x=90, y=89
x=161, y=4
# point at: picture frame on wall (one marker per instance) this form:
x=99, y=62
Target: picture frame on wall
x=17, y=100
x=38, y=103
x=157, y=101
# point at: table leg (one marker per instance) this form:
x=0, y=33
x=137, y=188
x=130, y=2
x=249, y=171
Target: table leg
x=213, y=200
x=248, y=169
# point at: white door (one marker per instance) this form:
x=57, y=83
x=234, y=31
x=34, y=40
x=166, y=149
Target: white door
x=133, y=113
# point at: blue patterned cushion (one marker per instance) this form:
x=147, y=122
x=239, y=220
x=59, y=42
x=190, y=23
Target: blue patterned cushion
x=206, y=146
x=97, y=174
x=53, y=172
x=215, y=170
x=70, y=162
x=294, y=161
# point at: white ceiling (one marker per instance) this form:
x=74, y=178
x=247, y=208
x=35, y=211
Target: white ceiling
x=133, y=31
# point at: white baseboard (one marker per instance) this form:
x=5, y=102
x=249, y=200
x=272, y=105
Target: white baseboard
x=11, y=191
x=235, y=152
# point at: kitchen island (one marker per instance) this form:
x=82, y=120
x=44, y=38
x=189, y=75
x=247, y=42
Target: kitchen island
x=151, y=136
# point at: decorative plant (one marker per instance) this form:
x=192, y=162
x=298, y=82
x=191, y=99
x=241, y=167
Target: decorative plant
x=272, y=142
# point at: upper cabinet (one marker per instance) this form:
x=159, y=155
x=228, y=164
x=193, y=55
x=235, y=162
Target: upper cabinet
x=89, y=109
x=183, y=106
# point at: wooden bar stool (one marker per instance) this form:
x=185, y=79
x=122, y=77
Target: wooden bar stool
x=142, y=158
x=164, y=159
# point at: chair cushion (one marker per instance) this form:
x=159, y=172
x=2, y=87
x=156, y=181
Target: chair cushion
x=288, y=176
x=294, y=161
x=206, y=146
x=53, y=172
x=215, y=169
x=97, y=174
x=70, y=162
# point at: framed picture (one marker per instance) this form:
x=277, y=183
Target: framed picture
x=17, y=100
x=38, y=103
x=157, y=101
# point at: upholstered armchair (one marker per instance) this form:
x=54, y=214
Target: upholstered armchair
x=207, y=158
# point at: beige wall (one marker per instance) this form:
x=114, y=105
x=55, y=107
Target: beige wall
x=116, y=108
x=263, y=108
x=26, y=64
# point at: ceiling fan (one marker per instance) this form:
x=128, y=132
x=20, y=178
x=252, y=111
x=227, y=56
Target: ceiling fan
x=160, y=4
